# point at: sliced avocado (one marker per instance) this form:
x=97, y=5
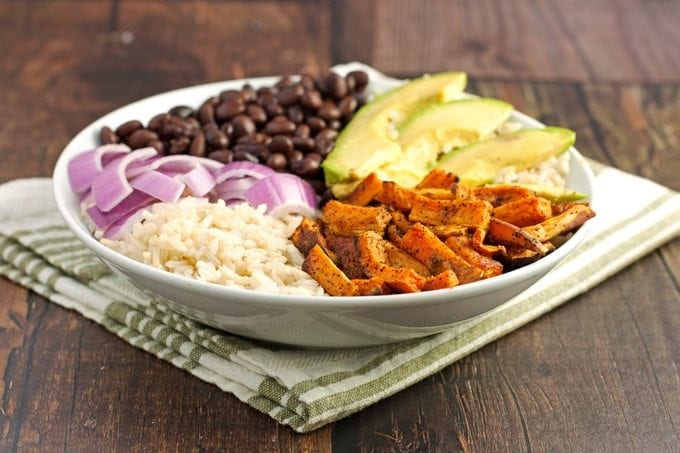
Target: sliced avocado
x=367, y=142
x=479, y=162
x=446, y=123
x=554, y=194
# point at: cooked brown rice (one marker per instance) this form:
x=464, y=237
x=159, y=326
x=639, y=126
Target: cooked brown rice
x=236, y=246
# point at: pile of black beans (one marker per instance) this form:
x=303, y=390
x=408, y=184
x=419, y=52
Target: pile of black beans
x=290, y=126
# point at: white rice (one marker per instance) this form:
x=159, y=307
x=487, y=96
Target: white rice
x=236, y=246
x=551, y=173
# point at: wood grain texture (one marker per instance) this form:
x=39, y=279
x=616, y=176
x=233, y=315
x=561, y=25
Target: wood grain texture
x=574, y=40
x=599, y=373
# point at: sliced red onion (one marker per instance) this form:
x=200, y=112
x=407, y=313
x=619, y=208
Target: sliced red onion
x=199, y=181
x=122, y=226
x=243, y=168
x=283, y=194
x=158, y=185
x=133, y=202
x=111, y=186
x=234, y=187
x=85, y=167
x=186, y=163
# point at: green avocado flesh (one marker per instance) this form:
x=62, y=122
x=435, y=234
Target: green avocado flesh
x=444, y=124
x=368, y=141
x=480, y=162
x=554, y=194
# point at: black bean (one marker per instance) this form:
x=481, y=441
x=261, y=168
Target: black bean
x=198, y=147
x=182, y=111
x=228, y=129
x=329, y=111
x=360, y=79
x=273, y=108
x=231, y=95
x=157, y=121
x=302, y=130
x=316, y=124
x=127, y=128
x=223, y=155
x=312, y=100
x=206, y=114
x=253, y=138
x=335, y=124
x=158, y=145
x=178, y=145
x=290, y=95
x=243, y=155
x=229, y=109
x=277, y=161
x=107, y=136
x=215, y=138
x=256, y=149
x=279, y=125
x=294, y=156
x=295, y=114
x=324, y=141
x=284, y=81
x=243, y=125
x=307, y=81
x=141, y=138
x=336, y=86
x=305, y=167
x=280, y=144
x=347, y=106
x=314, y=156
x=304, y=144
x=257, y=113
x=248, y=92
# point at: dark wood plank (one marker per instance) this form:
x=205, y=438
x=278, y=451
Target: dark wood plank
x=529, y=39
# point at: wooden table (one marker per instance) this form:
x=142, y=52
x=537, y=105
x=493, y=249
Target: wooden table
x=599, y=373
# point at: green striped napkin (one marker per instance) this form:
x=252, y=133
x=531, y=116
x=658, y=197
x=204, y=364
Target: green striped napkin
x=307, y=389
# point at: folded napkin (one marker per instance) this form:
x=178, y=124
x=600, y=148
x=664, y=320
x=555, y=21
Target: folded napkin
x=303, y=388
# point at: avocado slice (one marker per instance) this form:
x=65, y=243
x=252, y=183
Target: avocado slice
x=446, y=124
x=479, y=162
x=368, y=141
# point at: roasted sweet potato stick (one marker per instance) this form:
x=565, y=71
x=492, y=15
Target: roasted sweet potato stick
x=438, y=179
x=462, y=248
x=307, y=235
x=371, y=286
x=364, y=193
x=464, y=213
x=347, y=220
x=375, y=262
x=396, y=196
x=524, y=211
x=572, y=218
x=399, y=258
x=501, y=193
x=345, y=249
x=508, y=234
x=330, y=277
x=427, y=248
x=446, y=279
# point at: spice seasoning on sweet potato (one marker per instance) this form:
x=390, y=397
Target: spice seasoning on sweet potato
x=386, y=239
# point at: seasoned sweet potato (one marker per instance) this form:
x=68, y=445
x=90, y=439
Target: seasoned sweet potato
x=462, y=248
x=346, y=220
x=327, y=274
x=570, y=219
x=365, y=191
x=307, y=235
x=438, y=179
x=508, y=234
x=499, y=194
x=442, y=280
x=427, y=248
x=399, y=258
x=347, y=255
x=524, y=211
x=461, y=213
x=373, y=286
x=373, y=257
x=515, y=257
x=396, y=196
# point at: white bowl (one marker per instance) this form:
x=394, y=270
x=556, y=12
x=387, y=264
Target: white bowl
x=298, y=320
